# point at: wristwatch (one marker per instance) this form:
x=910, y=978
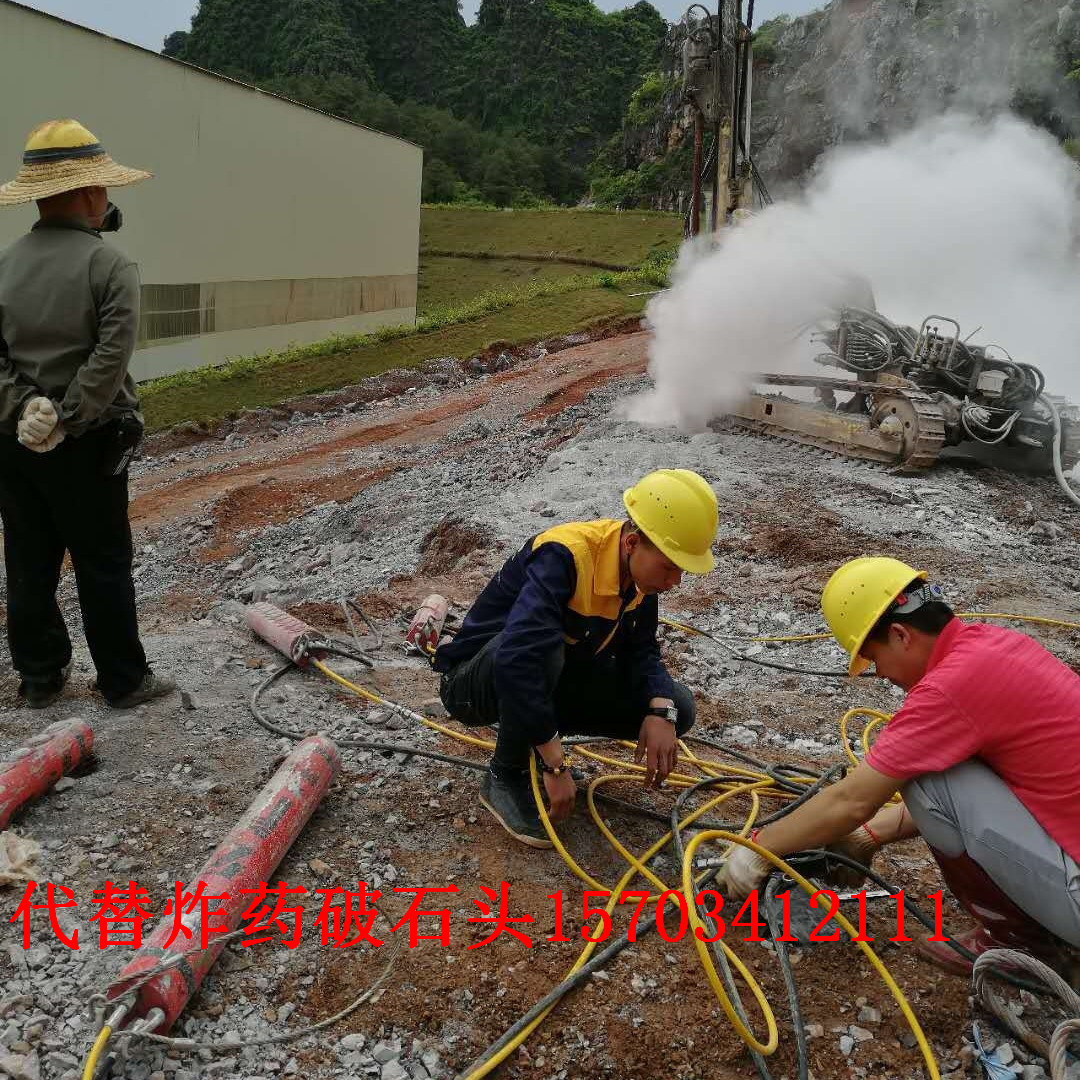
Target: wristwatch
x=666, y=712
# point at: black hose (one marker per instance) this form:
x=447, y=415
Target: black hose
x=743, y=62
x=346, y=604
x=836, y=772
x=1036, y=376
x=654, y=815
x=781, y=946
x=343, y=650
x=719, y=956
x=451, y=759
x=359, y=744
x=253, y=704
x=560, y=990
x=766, y=663
x=556, y=994
x=723, y=748
x=817, y=854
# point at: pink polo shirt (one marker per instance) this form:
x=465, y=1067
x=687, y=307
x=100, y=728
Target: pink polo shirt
x=1000, y=696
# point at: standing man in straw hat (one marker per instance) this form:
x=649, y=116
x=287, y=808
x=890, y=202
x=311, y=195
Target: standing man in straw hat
x=69, y=419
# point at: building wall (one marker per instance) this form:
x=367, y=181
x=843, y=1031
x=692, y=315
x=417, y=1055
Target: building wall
x=266, y=223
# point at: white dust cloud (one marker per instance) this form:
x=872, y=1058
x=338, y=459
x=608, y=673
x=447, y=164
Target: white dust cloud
x=970, y=219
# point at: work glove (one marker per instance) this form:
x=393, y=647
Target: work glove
x=50, y=442
x=859, y=845
x=744, y=871
x=39, y=418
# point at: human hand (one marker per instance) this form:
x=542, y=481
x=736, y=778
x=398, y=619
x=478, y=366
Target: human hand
x=858, y=845
x=38, y=419
x=50, y=442
x=561, y=793
x=658, y=745
x=744, y=871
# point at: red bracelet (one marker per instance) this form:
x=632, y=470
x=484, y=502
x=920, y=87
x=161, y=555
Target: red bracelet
x=870, y=832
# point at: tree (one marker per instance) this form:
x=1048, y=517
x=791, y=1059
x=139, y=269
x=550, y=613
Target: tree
x=175, y=43
x=440, y=181
x=415, y=46
x=500, y=183
x=556, y=71
x=518, y=103
x=267, y=38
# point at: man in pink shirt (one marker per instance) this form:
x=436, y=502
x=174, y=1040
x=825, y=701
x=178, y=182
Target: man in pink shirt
x=985, y=752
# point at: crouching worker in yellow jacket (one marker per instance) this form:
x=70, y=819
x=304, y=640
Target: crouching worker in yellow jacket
x=563, y=641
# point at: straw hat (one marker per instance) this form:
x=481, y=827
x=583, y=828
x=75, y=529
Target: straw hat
x=61, y=155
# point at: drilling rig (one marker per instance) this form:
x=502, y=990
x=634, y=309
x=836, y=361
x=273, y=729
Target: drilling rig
x=909, y=395
x=717, y=72
x=906, y=395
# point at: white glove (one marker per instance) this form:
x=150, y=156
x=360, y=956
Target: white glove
x=744, y=871
x=50, y=442
x=39, y=418
x=859, y=845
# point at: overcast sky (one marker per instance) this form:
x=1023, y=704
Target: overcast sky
x=146, y=22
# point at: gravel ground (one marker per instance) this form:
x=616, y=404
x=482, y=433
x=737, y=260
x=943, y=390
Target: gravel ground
x=420, y=482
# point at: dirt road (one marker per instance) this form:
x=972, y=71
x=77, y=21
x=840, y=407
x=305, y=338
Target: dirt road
x=424, y=482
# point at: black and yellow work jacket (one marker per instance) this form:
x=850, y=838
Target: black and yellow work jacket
x=561, y=591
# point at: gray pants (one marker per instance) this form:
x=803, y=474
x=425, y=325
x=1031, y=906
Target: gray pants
x=970, y=810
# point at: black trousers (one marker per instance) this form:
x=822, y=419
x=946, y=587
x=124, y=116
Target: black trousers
x=62, y=501
x=593, y=699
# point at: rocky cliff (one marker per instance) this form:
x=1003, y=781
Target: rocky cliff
x=862, y=69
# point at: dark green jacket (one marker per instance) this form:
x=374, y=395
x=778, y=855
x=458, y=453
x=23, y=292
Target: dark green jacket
x=69, y=322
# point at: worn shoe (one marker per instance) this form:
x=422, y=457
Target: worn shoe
x=979, y=940
x=942, y=955
x=152, y=687
x=999, y=923
x=40, y=694
x=511, y=803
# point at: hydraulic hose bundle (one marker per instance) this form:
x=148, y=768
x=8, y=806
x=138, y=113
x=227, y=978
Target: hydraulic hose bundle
x=984, y=396
x=719, y=781
x=760, y=784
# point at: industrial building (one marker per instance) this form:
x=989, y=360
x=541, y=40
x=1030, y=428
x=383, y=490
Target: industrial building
x=267, y=223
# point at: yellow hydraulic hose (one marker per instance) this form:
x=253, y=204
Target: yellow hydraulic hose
x=788, y=637
x=876, y=720
x=1037, y=620
x=92, y=1059
x=809, y=889
x=375, y=699
x=496, y=1059
x=740, y=781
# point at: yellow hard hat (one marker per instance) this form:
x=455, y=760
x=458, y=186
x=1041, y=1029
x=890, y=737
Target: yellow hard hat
x=676, y=510
x=857, y=595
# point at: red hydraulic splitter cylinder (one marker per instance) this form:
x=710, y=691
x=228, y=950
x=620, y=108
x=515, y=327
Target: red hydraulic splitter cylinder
x=29, y=771
x=288, y=634
x=246, y=857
